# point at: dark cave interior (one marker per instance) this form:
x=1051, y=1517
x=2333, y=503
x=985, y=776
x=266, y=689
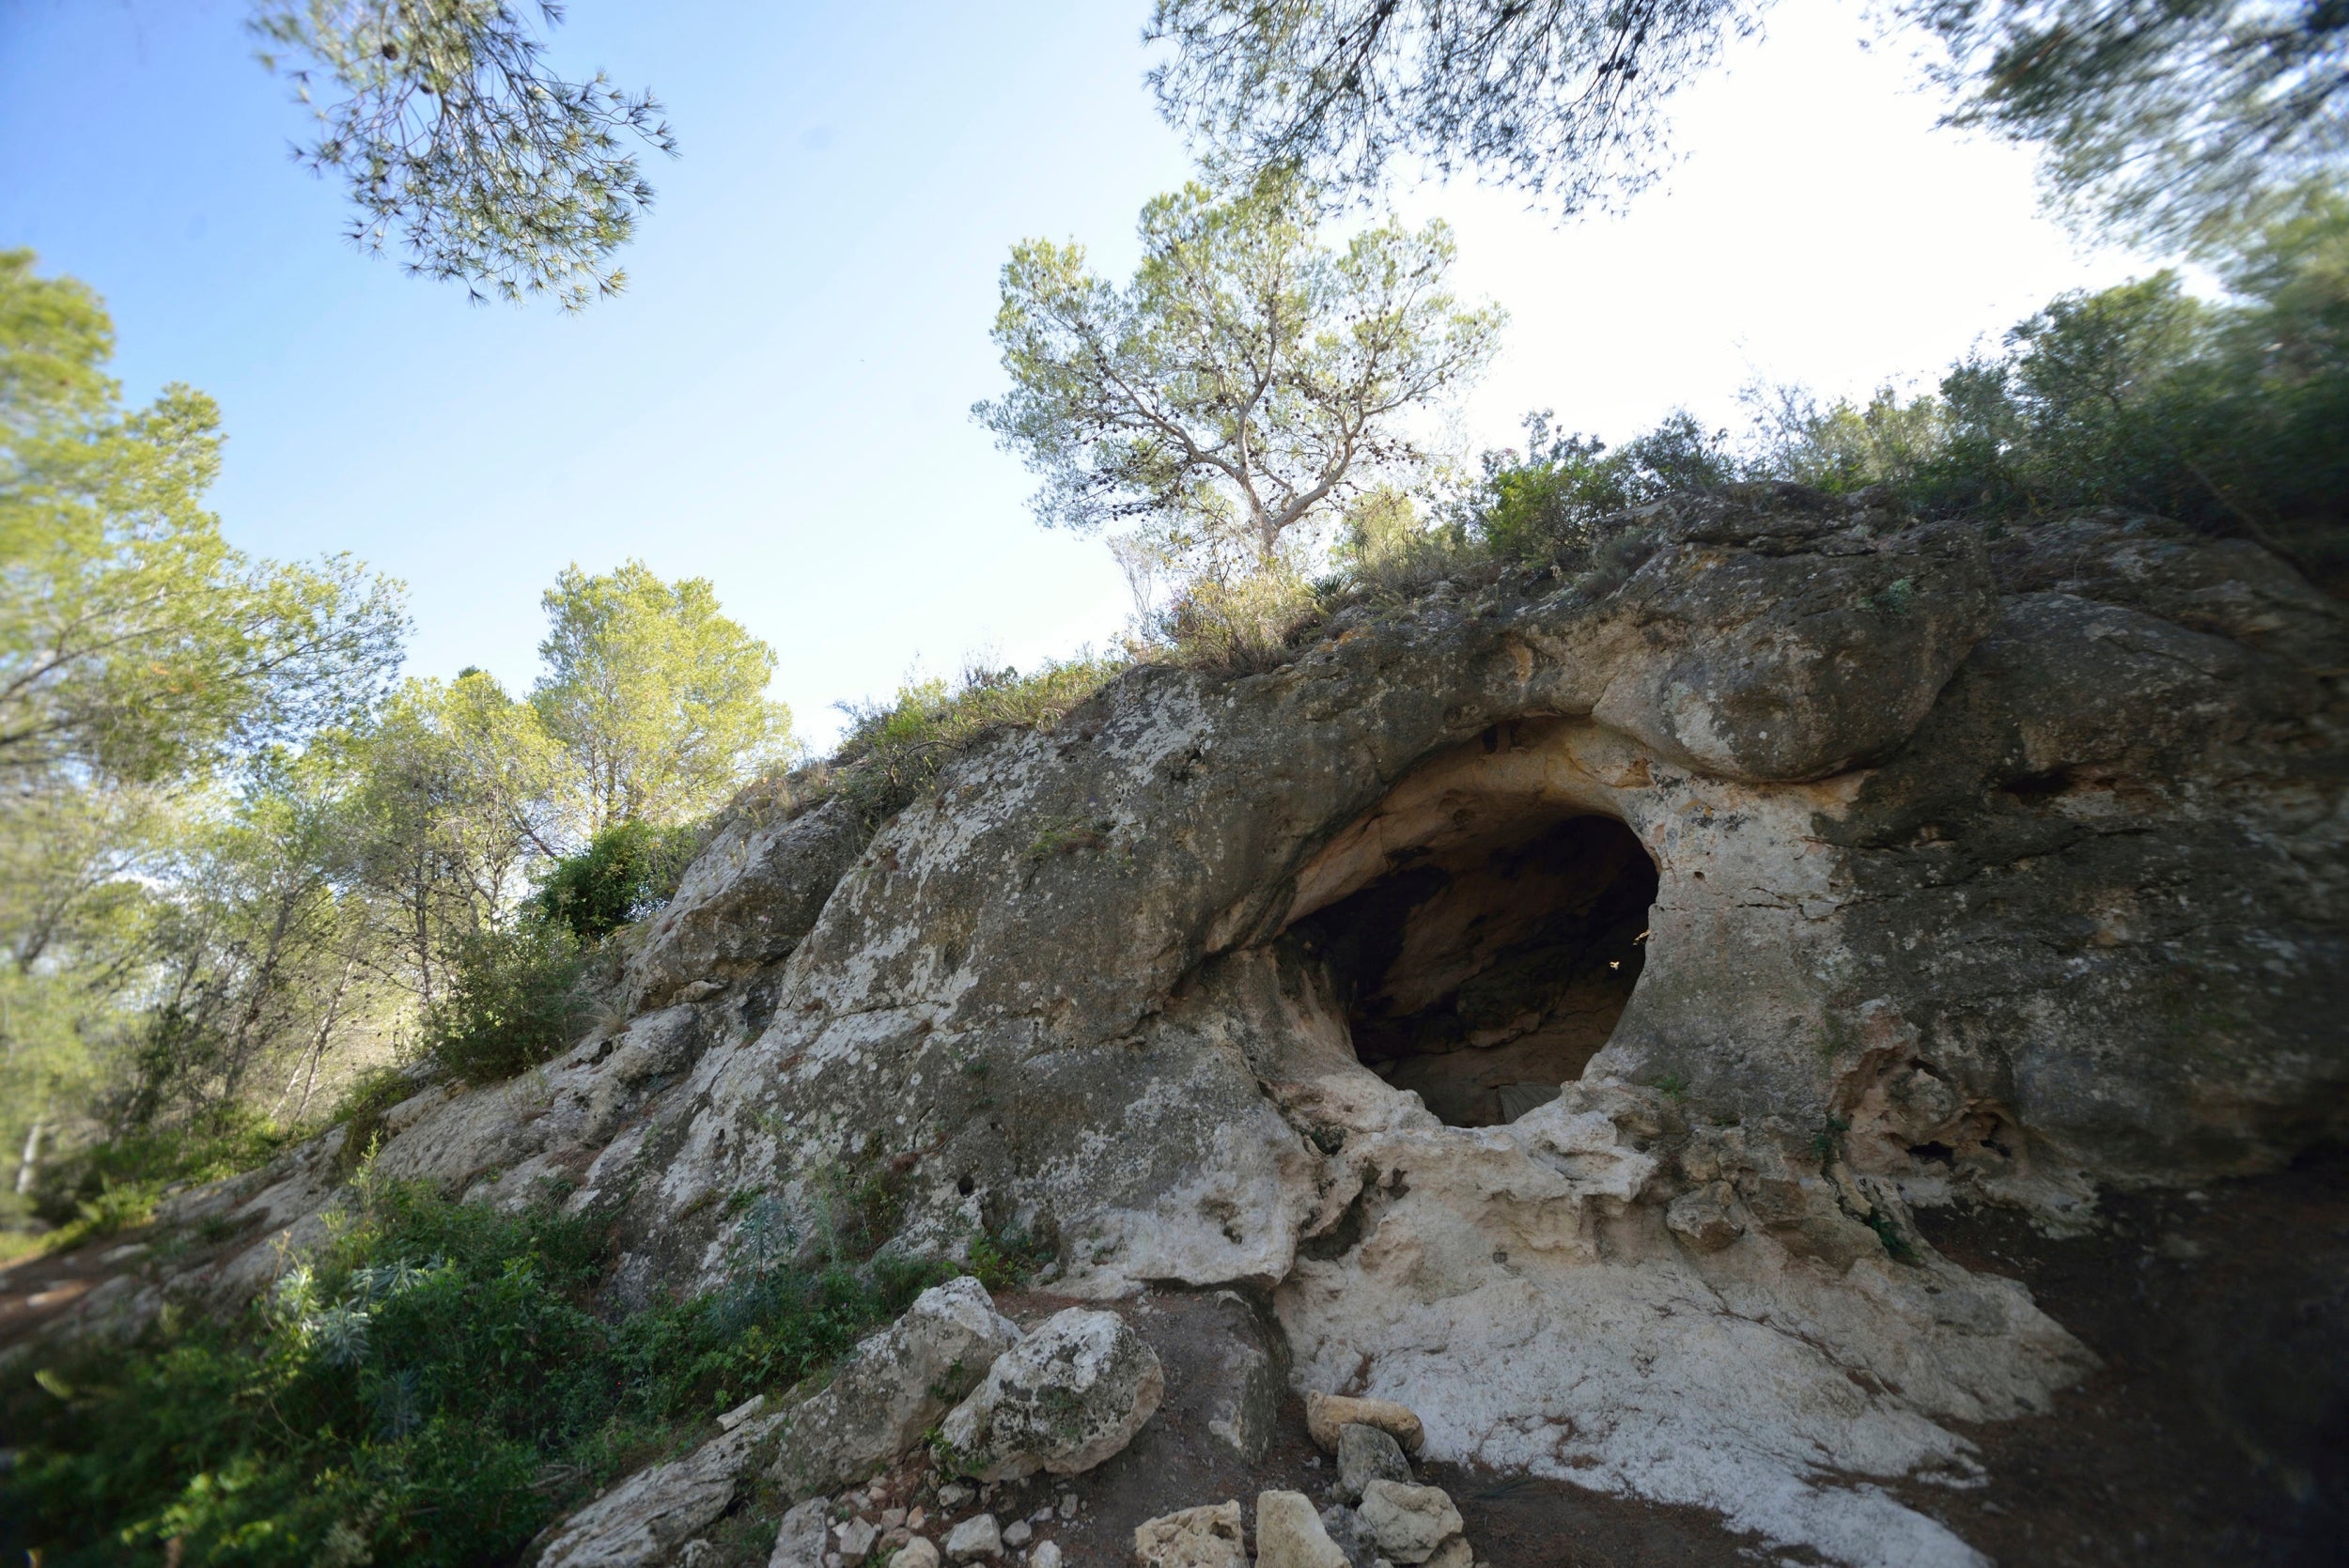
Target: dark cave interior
x=1485, y=975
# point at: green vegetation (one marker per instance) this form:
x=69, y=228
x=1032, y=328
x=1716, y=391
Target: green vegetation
x=2180, y=120
x=513, y=1001
x=450, y=132
x=242, y=874
x=893, y=750
x=626, y=872
x=434, y=1387
x=1247, y=380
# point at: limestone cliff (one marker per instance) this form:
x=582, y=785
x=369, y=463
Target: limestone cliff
x=1835, y=864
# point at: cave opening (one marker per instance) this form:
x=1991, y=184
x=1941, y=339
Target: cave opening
x=1486, y=973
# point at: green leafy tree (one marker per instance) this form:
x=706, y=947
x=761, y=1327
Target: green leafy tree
x=1565, y=96
x=457, y=140
x=657, y=699
x=456, y=804
x=1248, y=382
x=2180, y=117
x=258, y=951
x=134, y=640
x=2184, y=121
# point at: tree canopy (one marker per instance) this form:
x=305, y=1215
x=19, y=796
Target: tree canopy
x=2179, y=117
x=133, y=639
x=657, y=699
x=1250, y=376
x=460, y=144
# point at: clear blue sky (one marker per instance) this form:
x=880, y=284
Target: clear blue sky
x=780, y=403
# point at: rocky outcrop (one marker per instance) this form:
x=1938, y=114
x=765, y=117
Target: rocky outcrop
x=1556, y=997
x=1067, y=1397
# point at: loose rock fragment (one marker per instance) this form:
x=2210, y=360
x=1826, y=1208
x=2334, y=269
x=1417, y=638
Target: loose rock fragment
x=1019, y=1532
x=1350, y=1535
x=1703, y=1221
x=1409, y=1522
x=1289, y=1533
x=1046, y=1556
x=801, y=1538
x=856, y=1541
x=1366, y=1454
x=1195, y=1538
x=976, y=1537
x=1071, y=1394
x=1326, y=1415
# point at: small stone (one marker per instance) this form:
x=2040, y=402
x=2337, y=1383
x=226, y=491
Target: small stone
x=697, y=1553
x=1703, y=1221
x=916, y=1519
x=916, y=1553
x=1409, y=1522
x=1068, y=1505
x=953, y=1495
x=1351, y=1536
x=1325, y=1414
x=741, y=1412
x=1289, y=1533
x=1018, y=1533
x=1207, y=1537
x=976, y=1537
x=802, y=1537
x=1454, y=1553
x=893, y=1517
x=1047, y=1555
x=834, y=1559
x=856, y=1540
x=1366, y=1454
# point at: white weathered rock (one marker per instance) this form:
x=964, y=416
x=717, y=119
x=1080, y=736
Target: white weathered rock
x=976, y=1537
x=1067, y=1397
x=652, y=1514
x=1365, y=1454
x=802, y=1537
x=1206, y=1537
x=920, y=1552
x=856, y=1539
x=1045, y=1554
x=892, y=1387
x=1289, y=1533
x=1409, y=1522
x=1018, y=1533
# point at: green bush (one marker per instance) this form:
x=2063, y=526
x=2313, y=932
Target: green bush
x=114, y=1185
x=513, y=999
x=2233, y=417
x=1555, y=501
x=433, y=1390
x=893, y=750
x=627, y=871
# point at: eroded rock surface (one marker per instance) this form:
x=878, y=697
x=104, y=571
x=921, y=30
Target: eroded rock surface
x=1556, y=1002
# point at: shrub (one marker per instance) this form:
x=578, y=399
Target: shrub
x=895, y=749
x=1555, y=501
x=1240, y=626
x=432, y=1388
x=628, y=871
x=514, y=999
x=2227, y=416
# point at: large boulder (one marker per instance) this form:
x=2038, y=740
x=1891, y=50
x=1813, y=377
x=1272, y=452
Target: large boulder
x=1072, y=1393
x=892, y=1388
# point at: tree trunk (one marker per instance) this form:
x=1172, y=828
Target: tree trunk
x=26, y=1166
